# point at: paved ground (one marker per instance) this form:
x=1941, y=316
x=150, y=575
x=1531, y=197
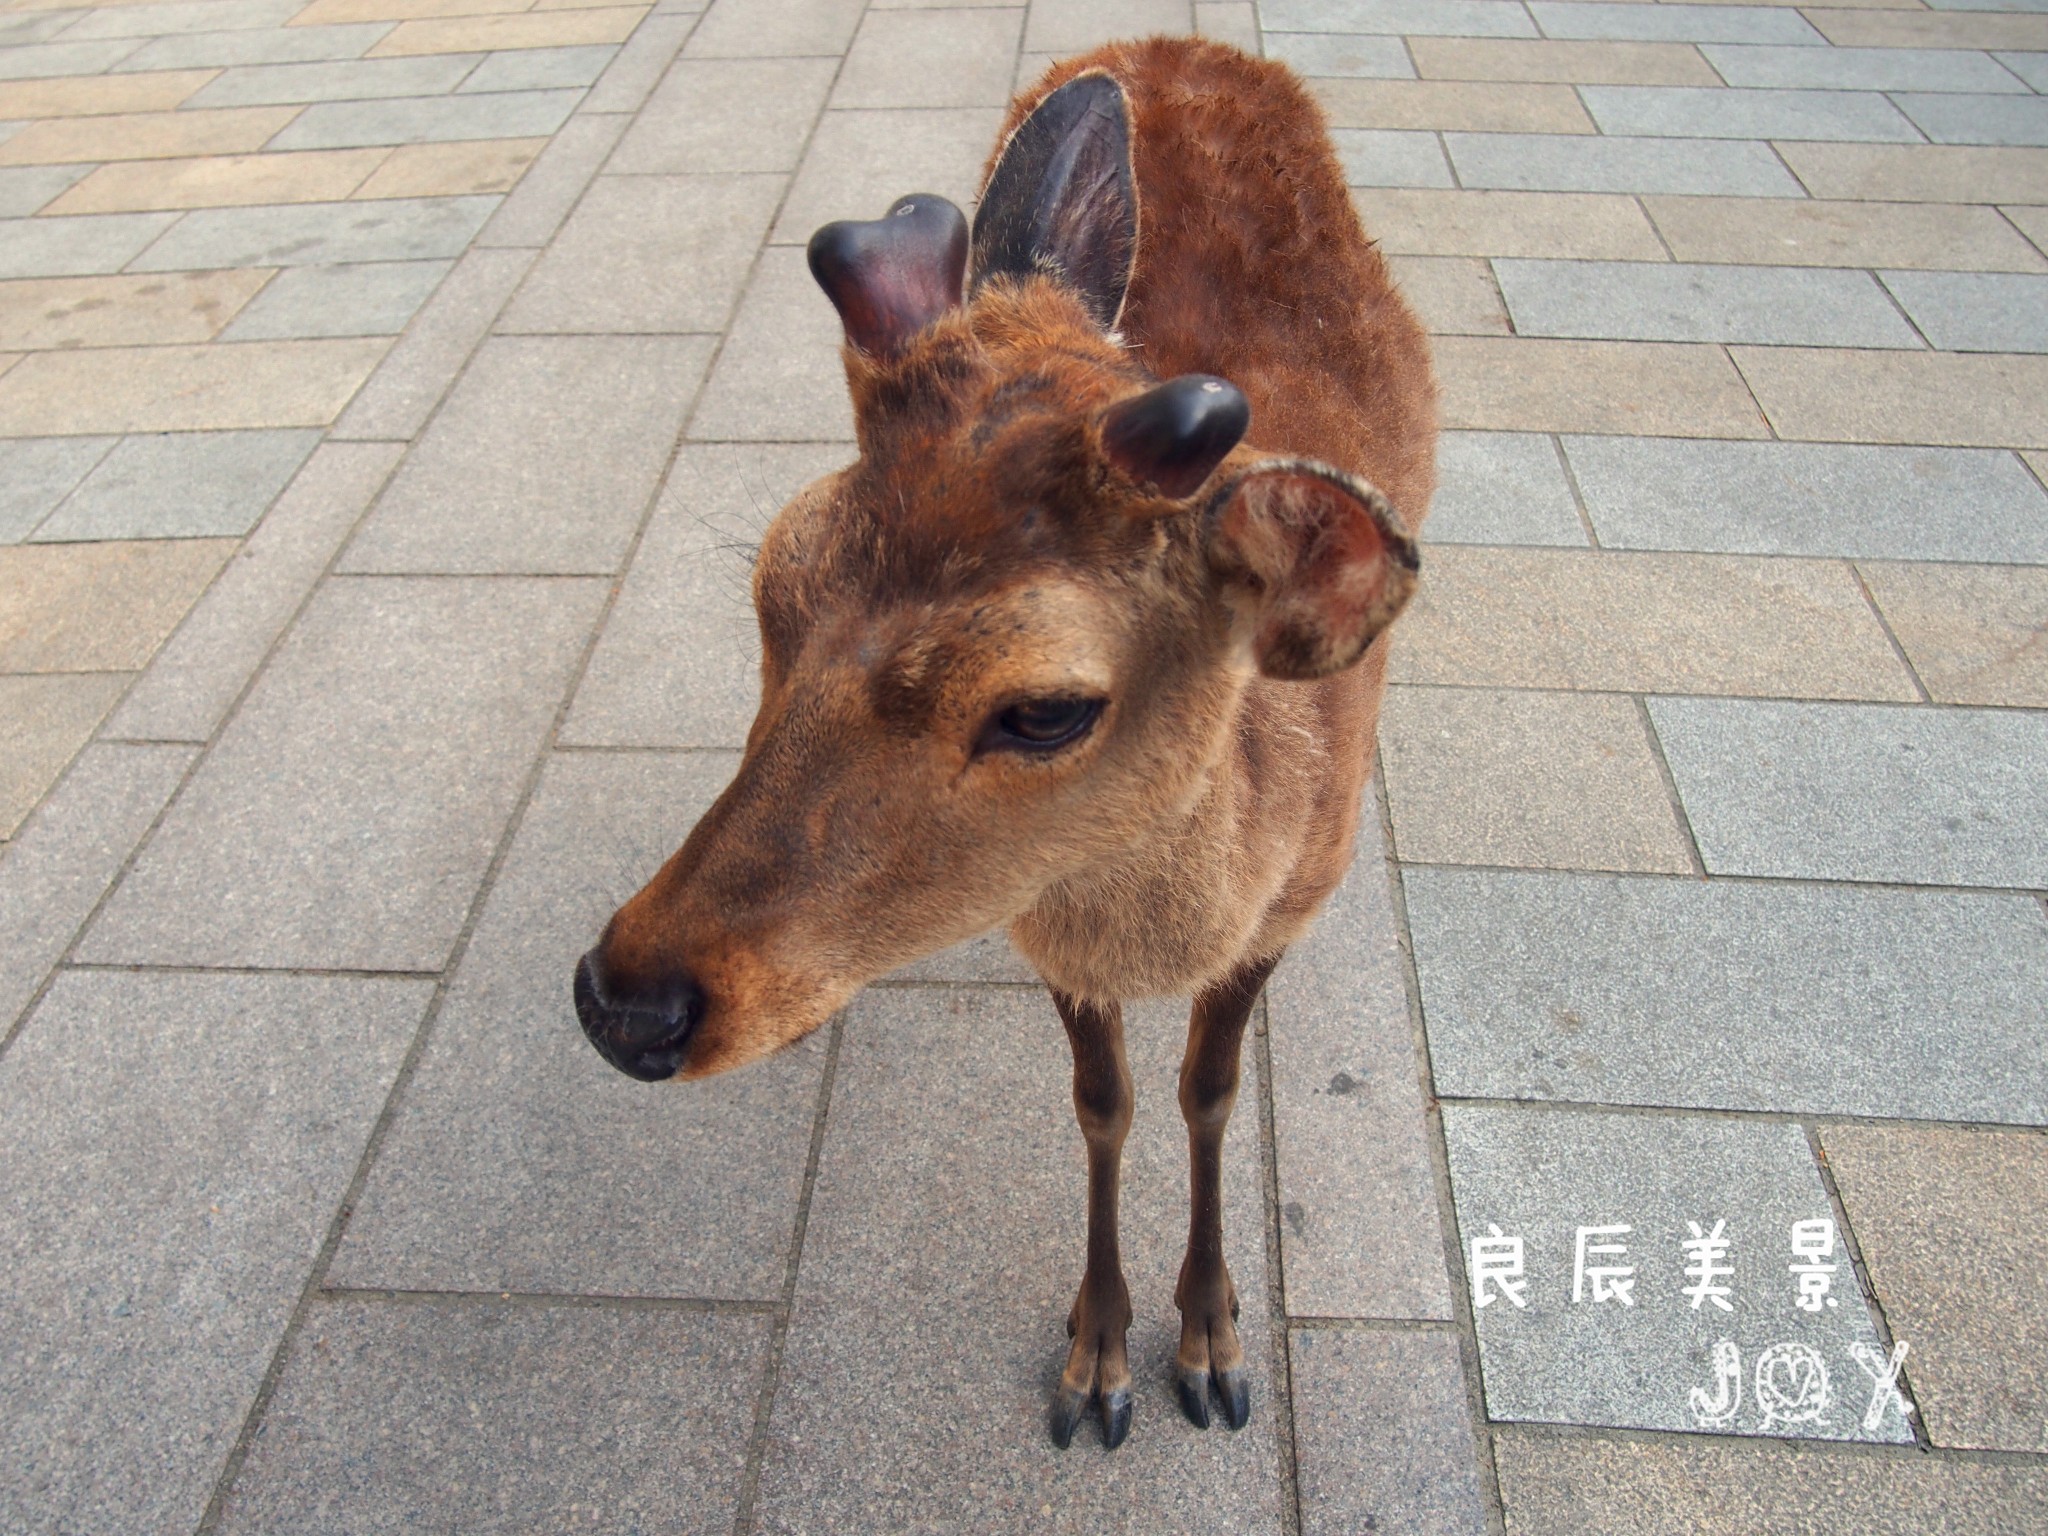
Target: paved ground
x=389, y=390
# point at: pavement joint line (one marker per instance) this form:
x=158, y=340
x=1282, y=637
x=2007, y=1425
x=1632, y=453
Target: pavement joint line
x=611, y=575
x=1877, y=1450
x=1280, y=1390
x=2040, y=475
x=1779, y=155
x=1890, y=635
x=1774, y=881
x=1670, y=783
x=626, y=747
x=1749, y=388
x=161, y=968
x=1891, y=298
x=1371, y=1324
x=1655, y=229
x=1571, y=476
x=1822, y=1118
x=1929, y=706
x=712, y=1306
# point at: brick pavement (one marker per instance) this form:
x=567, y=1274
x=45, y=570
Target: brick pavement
x=389, y=393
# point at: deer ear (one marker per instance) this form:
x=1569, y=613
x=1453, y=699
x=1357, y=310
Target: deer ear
x=1060, y=201
x=1315, y=561
x=891, y=277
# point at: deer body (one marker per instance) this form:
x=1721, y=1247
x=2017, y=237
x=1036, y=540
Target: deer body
x=1068, y=648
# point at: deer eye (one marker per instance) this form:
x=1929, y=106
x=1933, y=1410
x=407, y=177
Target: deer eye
x=1040, y=725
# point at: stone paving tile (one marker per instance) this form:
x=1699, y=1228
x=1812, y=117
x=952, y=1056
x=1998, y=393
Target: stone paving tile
x=679, y=663
x=409, y=711
x=1567, y=1356
x=475, y=167
x=1535, y=384
x=536, y=425
x=115, y=311
x=1707, y=23
x=1861, y=792
x=1969, y=1309
x=1873, y=29
x=1940, y=236
x=1377, y=157
x=409, y=120
x=1572, y=63
x=169, y=1183
x=76, y=247
x=1336, y=54
x=639, y=64
x=284, y=45
x=222, y=181
x=503, y=1168
x=328, y=12
x=43, y=722
x=1360, y=1234
x=540, y=69
x=183, y=16
x=1690, y=112
x=1556, y=163
x=147, y=135
x=97, y=95
x=1670, y=301
x=1529, y=780
x=755, y=29
x=319, y=234
x=2032, y=222
x=184, y=388
x=1865, y=69
x=1229, y=21
x=1383, y=1437
x=2030, y=67
x=649, y=254
x=955, y=1257
x=1975, y=312
x=1476, y=106
x=1590, y=226
x=552, y=29
x=257, y=85
x=405, y=389
x=546, y=193
x=931, y=58
x=367, y=299
x=180, y=485
x=1963, y=401
x=726, y=115
x=1978, y=119
x=567, y=1414
x=54, y=59
x=1976, y=634
x=861, y=162
x=204, y=665
x=1073, y=26
x=779, y=377
x=1694, y=1485
x=1452, y=294
x=1646, y=623
x=28, y=189
x=1416, y=18
x=1811, y=499
x=101, y=607
x=1920, y=173
x=1621, y=989
x=1502, y=488
x=37, y=473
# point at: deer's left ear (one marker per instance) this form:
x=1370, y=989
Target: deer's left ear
x=1315, y=561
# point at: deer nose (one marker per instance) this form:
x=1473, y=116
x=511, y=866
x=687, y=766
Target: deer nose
x=641, y=1027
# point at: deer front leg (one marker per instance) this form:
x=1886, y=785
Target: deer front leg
x=1097, y=1367
x=1209, y=1350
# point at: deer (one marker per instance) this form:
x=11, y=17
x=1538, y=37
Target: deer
x=1089, y=641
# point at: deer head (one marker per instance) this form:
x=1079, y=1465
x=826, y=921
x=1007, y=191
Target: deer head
x=1004, y=646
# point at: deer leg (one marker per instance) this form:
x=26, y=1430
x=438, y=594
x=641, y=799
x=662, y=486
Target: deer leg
x=1209, y=1350
x=1097, y=1367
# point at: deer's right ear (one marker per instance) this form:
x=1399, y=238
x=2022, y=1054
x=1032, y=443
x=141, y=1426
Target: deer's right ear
x=891, y=277
x=1060, y=201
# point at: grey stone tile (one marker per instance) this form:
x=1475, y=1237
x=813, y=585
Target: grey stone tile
x=779, y=377
x=1359, y=1231
x=1976, y=311
x=1674, y=301
x=1382, y=1435
x=203, y=667
x=639, y=65
x=1859, y=69
x=1501, y=488
x=931, y=58
x=534, y=210
x=1700, y=112
x=507, y=1165
x=1388, y=157
x=427, y=119
x=1367, y=56
x=281, y=45
x=539, y=69
x=35, y=27
x=408, y=712
x=537, y=427
x=1709, y=23
x=184, y=16
x=713, y=116
x=25, y=188
x=180, y=485
x=1970, y=1310
x=258, y=85
x=351, y=299
x=568, y=1415
x=319, y=234
x=861, y=162
x=2030, y=67
x=402, y=393
x=1070, y=26
x=1724, y=995
x=76, y=247
x=1826, y=499
x=169, y=1182
x=648, y=254
x=1597, y=163
x=1978, y=119
x=1862, y=791
x=679, y=663
x=1421, y=18
x=955, y=1257
x=44, y=720
x=1565, y=1355
x=755, y=29
x=38, y=472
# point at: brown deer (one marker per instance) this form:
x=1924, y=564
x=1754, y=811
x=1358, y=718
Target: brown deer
x=1083, y=642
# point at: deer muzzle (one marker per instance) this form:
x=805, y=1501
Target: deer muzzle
x=641, y=1027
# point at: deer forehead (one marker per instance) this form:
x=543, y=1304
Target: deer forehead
x=1036, y=637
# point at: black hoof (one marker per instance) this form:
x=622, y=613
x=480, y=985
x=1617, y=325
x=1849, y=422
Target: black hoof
x=1116, y=1418
x=1234, y=1392
x=1067, y=1408
x=1193, y=1388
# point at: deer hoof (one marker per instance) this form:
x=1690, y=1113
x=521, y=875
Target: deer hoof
x=1234, y=1392
x=1067, y=1408
x=1193, y=1387
x=1116, y=1418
